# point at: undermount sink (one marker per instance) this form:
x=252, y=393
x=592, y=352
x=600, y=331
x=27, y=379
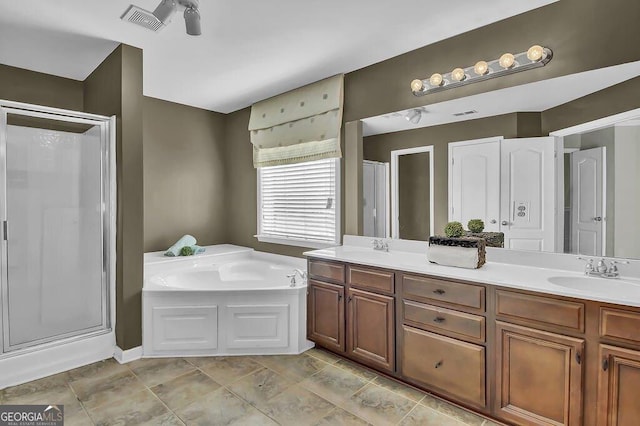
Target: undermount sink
x=597, y=285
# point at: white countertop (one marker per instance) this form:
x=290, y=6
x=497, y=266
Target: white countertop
x=619, y=291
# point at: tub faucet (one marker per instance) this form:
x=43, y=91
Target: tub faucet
x=292, y=277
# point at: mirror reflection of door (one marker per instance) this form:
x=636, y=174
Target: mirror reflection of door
x=412, y=193
x=375, y=192
x=587, y=201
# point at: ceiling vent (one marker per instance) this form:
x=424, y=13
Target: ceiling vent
x=460, y=114
x=143, y=18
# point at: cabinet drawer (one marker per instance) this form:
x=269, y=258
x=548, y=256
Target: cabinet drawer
x=370, y=279
x=451, y=366
x=433, y=290
x=619, y=324
x=457, y=324
x=327, y=270
x=540, y=310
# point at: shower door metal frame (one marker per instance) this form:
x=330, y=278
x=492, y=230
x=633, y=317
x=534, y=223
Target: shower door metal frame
x=108, y=213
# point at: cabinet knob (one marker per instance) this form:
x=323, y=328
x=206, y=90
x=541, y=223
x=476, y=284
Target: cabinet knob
x=349, y=299
x=578, y=357
x=339, y=297
x=439, y=291
x=438, y=319
x=438, y=364
x=605, y=364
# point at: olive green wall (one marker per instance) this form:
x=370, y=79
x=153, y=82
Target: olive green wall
x=184, y=186
x=20, y=85
x=115, y=88
x=583, y=34
x=379, y=147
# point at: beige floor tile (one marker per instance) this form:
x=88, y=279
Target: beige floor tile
x=226, y=370
x=168, y=419
x=339, y=417
x=50, y=390
x=221, y=407
x=97, y=370
x=96, y=392
x=259, y=387
x=323, y=355
x=183, y=390
x=462, y=415
x=153, y=371
x=491, y=423
x=334, y=384
x=75, y=414
x=356, y=369
x=140, y=408
x=424, y=416
x=297, y=406
x=399, y=388
x=378, y=405
x=294, y=367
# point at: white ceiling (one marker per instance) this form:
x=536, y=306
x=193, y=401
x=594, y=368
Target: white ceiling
x=533, y=97
x=249, y=50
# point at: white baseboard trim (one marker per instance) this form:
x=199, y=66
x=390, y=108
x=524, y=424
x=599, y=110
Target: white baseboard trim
x=129, y=355
x=27, y=366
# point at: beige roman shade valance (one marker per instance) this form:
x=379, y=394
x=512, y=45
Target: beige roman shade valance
x=298, y=126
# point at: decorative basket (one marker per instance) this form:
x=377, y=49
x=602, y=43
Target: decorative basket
x=493, y=239
x=464, y=252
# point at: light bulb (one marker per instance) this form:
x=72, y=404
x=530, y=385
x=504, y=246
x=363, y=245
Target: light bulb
x=436, y=80
x=417, y=85
x=507, y=60
x=481, y=68
x=458, y=74
x=535, y=53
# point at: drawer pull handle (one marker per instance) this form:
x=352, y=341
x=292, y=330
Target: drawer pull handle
x=438, y=364
x=605, y=364
x=578, y=357
x=438, y=320
x=439, y=291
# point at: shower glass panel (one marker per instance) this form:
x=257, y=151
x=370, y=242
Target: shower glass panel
x=54, y=277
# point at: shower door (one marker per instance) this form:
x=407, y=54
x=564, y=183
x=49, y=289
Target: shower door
x=53, y=198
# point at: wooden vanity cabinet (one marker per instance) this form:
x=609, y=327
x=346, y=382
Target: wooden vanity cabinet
x=351, y=311
x=618, y=387
x=538, y=376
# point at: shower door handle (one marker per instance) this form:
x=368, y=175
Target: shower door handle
x=4, y=230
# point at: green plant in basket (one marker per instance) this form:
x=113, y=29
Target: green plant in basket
x=187, y=251
x=453, y=230
x=475, y=225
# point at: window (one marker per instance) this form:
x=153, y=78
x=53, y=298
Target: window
x=298, y=203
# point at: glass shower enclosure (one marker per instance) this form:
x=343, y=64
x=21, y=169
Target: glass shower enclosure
x=55, y=212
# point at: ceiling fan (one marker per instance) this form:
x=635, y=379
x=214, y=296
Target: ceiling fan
x=163, y=13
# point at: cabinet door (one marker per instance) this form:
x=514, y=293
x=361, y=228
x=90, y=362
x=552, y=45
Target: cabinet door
x=618, y=386
x=539, y=376
x=370, y=336
x=325, y=315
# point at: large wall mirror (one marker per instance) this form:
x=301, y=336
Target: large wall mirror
x=554, y=167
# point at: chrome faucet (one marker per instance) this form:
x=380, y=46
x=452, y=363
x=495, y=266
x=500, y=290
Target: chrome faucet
x=381, y=245
x=602, y=269
x=303, y=274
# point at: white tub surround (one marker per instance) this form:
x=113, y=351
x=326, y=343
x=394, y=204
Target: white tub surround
x=230, y=300
x=559, y=274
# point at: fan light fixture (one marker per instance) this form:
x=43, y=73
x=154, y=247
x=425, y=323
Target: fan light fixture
x=508, y=63
x=414, y=116
x=161, y=16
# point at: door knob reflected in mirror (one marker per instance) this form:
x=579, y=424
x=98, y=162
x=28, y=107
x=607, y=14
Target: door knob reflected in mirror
x=597, y=219
x=494, y=221
x=504, y=223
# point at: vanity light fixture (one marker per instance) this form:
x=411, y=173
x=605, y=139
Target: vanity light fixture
x=536, y=56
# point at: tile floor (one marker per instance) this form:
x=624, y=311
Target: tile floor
x=315, y=388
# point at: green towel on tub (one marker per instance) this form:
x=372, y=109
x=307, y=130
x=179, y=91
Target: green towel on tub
x=185, y=240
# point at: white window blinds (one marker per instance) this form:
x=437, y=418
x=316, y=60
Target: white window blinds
x=298, y=201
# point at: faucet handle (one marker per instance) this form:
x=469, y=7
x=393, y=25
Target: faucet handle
x=588, y=268
x=613, y=269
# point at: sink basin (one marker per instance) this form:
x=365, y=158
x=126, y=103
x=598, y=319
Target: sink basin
x=594, y=285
